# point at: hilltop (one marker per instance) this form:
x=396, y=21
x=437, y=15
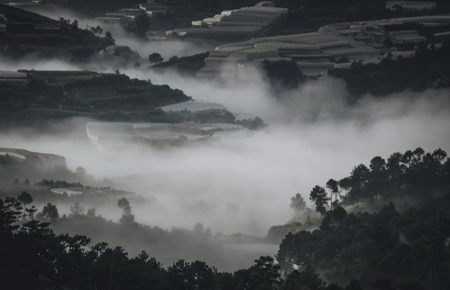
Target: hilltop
x=26, y=32
x=30, y=96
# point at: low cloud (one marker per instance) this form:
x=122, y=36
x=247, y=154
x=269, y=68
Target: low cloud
x=244, y=181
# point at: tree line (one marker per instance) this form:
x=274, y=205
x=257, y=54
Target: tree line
x=386, y=225
x=34, y=257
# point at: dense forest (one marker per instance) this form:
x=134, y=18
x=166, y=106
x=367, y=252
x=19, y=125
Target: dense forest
x=29, y=248
x=386, y=226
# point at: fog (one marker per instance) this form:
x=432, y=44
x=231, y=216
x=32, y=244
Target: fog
x=242, y=182
x=167, y=48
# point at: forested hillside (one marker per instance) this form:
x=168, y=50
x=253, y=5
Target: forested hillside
x=386, y=226
x=58, y=95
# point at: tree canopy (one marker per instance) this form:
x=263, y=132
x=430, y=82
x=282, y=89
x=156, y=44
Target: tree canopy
x=388, y=228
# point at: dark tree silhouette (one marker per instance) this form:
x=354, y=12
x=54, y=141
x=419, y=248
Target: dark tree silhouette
x=50, y=212
x=155, y=58
x=25, y=198
x=127, y=216
x=320, y=198
x=333, y=187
